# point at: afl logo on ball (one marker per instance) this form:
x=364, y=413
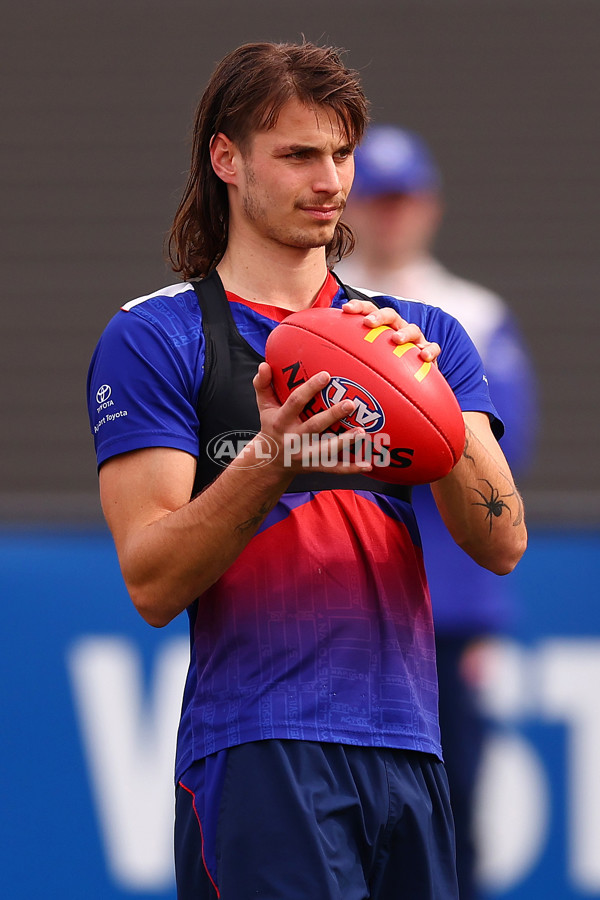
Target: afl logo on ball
x=368, y=413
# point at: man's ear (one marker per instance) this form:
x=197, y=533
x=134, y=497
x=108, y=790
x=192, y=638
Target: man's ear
x=224, y=155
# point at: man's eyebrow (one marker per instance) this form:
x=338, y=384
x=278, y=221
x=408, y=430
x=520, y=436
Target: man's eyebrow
x=311, y=148
x=295, y=148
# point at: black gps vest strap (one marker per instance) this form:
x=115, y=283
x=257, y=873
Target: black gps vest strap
x=227, y=402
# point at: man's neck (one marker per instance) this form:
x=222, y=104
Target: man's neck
x=286, y=277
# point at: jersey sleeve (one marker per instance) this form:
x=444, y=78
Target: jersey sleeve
x=141, y=388
x=463, y=369
x=459, y=361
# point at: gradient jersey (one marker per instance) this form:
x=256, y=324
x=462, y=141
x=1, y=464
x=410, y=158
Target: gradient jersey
x=322, y=628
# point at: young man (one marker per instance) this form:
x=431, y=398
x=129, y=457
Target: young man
x=308, y=760
x=395, y=211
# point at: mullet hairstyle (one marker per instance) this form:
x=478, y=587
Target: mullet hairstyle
x=245, y=94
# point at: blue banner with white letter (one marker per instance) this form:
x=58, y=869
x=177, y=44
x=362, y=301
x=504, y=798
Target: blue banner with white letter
x=91, y=699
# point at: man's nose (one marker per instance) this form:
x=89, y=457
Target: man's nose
x=327, y=177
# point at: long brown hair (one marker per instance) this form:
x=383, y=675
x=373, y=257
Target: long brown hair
x=245, y=94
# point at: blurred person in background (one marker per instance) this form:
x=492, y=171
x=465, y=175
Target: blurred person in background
x=395, y=211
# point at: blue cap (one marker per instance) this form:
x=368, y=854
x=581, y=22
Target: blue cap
x=391, y=160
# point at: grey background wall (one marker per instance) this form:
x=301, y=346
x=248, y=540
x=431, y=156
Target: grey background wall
x=95, y=111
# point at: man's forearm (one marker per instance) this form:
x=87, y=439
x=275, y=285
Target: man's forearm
x=171, y=560
x=480, y=503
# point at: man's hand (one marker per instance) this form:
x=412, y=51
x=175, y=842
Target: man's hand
x=404, y=332
x=282, y=423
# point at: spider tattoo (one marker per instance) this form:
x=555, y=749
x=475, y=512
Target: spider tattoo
x=494, y=503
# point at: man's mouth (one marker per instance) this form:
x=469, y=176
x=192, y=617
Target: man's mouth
x=323, y=213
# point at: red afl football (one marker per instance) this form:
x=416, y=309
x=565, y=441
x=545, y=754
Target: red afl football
x=406, y=407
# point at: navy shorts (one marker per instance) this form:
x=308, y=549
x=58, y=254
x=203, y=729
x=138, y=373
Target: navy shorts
x=296, y=820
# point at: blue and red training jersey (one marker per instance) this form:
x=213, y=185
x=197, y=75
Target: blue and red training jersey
x=322, y=628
